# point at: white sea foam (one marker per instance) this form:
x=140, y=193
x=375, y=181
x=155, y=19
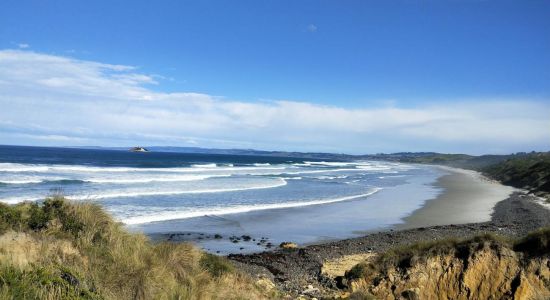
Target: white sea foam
x=20, y=181
x=14, y=167
x=328, y=163
x=280, y=182
x=262, y=164
x=155, y=179
x=331, y=177
x=204, y=166
x=15, y=200
x=165, y=216
x=292, y=178
x=124, y=180
x=392, y=176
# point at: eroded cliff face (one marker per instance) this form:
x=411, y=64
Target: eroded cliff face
x=486, y=270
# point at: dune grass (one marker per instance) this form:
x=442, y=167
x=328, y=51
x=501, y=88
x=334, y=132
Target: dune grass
x=536, y=243
x=63, y=250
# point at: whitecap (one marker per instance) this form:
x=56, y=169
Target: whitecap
x=165, y=216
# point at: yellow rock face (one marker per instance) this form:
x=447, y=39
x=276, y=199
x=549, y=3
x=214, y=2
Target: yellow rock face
x=338, y=267
x=487, y=273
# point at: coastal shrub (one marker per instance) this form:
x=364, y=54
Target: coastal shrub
x=358, y=271
x=38, y=218
x=10, y=217
x=216, y=265
x=535, y=243
x=530, y=171
x=39, y=283
x=67, y=250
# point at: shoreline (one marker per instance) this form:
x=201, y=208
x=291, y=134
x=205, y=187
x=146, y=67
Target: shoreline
x=293, y=270
x=468, y=197
x=464, y=197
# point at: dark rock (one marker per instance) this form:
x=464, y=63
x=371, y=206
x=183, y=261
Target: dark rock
x=70, y=278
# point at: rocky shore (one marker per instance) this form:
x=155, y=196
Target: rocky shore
x=302, y=271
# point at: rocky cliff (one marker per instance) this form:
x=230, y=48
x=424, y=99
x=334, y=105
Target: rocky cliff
x=481, y=268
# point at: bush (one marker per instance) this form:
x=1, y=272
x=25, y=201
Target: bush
x=535, y=243
x=358, y=271
x=216, y=265
x=10, y=217
x=38, y=218
x=39, y=283
x=77, y=251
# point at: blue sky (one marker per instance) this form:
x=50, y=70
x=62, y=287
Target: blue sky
x=450, y=69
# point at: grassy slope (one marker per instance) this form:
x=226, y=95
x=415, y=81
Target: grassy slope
x=531, y=171
x=522, y=170
x=63, y=250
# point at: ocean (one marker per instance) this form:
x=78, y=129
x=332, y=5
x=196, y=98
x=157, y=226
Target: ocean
x=156, y=192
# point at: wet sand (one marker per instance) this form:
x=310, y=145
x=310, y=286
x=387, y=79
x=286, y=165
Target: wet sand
x=293, y=270
x=303, y=225
x=468, y=197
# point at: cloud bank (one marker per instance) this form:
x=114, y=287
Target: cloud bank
x=54, y=100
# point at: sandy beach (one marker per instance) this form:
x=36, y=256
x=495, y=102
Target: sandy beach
x=468, y=197
x=292, y=270
x=468, y=205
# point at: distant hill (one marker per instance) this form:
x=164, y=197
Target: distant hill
x=523, y=170
x=453, y=160
x=529, y=171
x=252, y=152
x=457, y=160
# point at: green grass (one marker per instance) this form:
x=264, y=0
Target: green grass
x=63, y=250
x=529, y=171
x=215, y=265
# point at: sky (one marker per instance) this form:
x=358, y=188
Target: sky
x=333, y=76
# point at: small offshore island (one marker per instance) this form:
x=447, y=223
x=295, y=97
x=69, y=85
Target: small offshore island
x=464, y=244
x=138, y=149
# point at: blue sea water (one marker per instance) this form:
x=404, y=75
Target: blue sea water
x=160, y=191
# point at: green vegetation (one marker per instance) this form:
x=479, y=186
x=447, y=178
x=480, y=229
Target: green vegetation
x=427, y=157
x=535, y=243
x=215, y=265
x=529, y=171
x=452, y=160
x=63, y=250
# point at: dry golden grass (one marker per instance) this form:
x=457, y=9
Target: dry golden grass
x=63, y=250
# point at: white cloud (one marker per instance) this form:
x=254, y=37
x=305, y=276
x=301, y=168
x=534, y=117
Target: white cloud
x=311, y=28
x=23, y=46
x=67, y=101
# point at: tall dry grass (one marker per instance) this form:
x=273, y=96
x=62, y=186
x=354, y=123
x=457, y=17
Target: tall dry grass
x=65, y=250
